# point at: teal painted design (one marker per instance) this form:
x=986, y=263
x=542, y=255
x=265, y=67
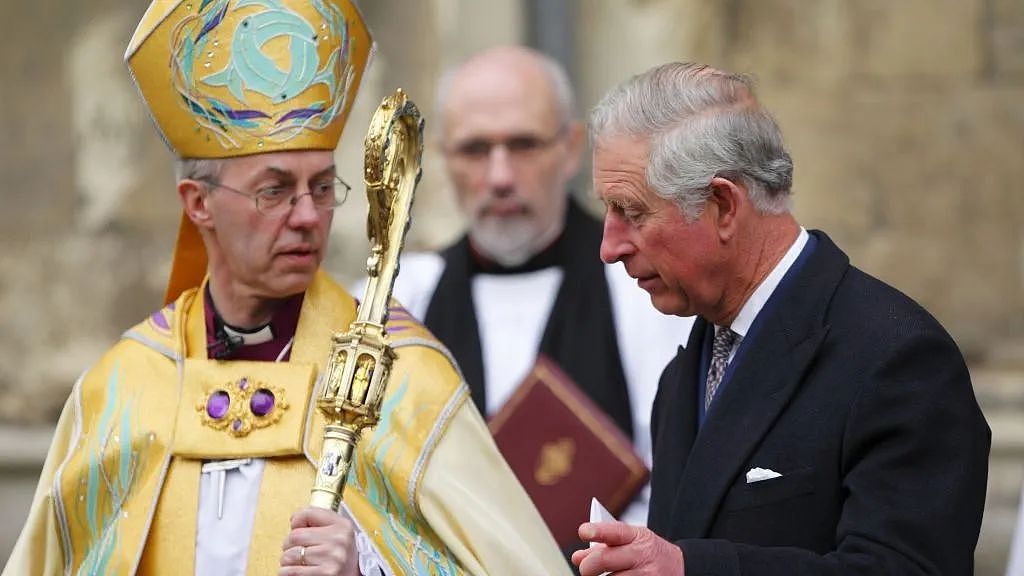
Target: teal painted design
x=249, y=68
x=204, y=5
x=374, y=479
x=250, y=71
x=111, y=464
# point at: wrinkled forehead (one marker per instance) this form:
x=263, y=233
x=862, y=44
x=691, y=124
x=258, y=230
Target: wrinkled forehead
x=496, y=103
x=297, y=164
x=613, y=148
x=619, y=159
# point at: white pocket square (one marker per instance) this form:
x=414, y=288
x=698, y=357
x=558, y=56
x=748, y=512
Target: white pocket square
x=761, y=474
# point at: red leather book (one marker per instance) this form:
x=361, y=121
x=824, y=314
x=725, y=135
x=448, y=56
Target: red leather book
x=564, y=450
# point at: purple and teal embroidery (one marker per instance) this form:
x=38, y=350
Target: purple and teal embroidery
x=111, y=466
x=398, y=317
x=398, y=312
x=249, y=71
x=402, y=522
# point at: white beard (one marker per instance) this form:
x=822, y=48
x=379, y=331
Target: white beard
x=509, y=242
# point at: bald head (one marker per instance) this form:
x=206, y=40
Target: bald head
x=511, y=145
x=507, y=72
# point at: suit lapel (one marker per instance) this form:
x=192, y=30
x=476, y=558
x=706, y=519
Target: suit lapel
x=765, y=378
x=755, y=395
x=674, y=425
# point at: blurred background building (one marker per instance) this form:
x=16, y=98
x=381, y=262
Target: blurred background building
x=905, y=120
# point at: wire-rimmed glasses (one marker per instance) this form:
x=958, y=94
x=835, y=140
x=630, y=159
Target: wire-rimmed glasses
x=277, y=200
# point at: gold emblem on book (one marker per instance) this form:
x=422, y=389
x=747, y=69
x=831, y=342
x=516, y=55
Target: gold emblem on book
x=554, y=461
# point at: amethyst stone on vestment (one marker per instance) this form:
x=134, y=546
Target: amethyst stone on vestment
x=262, y=402
x=217, y=405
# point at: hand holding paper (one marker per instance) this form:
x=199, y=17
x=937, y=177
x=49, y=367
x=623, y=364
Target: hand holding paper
x=637, y=549
x=598, y=513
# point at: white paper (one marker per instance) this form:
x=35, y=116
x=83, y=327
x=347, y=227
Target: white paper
x=761, y=474
x=598, y=513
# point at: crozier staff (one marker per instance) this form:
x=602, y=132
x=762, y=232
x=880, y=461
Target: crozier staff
x=188, y=448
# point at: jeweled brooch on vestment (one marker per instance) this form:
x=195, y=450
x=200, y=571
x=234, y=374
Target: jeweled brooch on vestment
x=241, y=406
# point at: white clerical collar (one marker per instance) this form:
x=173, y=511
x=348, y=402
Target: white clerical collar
x=264, y=334
x=757, y=300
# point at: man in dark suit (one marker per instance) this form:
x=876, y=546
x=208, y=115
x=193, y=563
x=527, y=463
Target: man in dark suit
x=818, y=421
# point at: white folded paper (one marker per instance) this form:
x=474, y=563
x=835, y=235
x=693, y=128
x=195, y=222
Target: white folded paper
x=598, y=513
x=760, y=474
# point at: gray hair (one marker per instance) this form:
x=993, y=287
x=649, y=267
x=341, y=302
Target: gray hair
x=700, y=123
x=206, y=169
x=565, y=99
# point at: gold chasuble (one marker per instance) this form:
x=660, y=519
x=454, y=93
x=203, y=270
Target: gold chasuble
x=119, y=492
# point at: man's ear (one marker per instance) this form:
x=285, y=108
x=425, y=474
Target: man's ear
x=193, y=196
x=727, y=198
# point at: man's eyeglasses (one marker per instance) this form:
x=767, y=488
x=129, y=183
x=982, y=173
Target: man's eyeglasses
x=277, y=200
x=522, y=146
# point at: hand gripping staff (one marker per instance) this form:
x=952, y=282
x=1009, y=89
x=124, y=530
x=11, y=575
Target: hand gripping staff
x=360, y=362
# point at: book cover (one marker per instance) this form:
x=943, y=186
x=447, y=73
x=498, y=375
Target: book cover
x=565, y=450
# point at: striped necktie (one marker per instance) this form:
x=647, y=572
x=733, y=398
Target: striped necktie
x=724, y=340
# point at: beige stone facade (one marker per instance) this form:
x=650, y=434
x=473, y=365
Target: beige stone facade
x=905, y=120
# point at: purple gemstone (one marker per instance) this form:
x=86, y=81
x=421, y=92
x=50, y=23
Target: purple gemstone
x=217, y=404
x=262, y=402
x=236, y=425
x=243, y=383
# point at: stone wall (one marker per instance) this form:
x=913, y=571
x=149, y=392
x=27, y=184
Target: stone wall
x=905, y=120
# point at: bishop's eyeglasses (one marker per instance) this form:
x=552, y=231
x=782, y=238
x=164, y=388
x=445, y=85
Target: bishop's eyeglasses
x=279, y=199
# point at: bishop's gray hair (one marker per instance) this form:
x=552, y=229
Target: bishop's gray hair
x=701, y=123
x=204, y=169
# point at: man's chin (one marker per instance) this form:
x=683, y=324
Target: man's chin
x=505, y=249
x=668, y=304
x=294, y=281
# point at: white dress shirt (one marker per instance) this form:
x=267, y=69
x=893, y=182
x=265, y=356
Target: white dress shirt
x=752, y=307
